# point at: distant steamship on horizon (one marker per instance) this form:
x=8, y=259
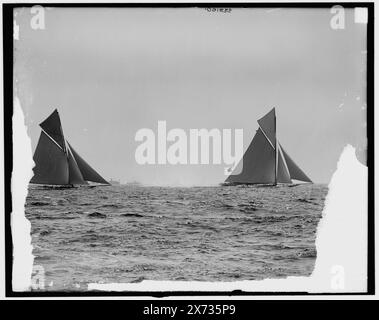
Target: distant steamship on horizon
x=56, y=161
x=114, y=182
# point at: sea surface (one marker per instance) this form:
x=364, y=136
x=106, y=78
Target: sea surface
x=131, y=233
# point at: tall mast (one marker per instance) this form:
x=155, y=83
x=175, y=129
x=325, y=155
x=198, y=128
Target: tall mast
x=276, y=153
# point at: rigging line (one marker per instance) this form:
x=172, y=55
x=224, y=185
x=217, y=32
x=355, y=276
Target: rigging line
x=284, y=160
x=52, y=139
x=276, y=153
x=70, y=151
x=64, y=140
x=266, y=137
x=276, y=161
x=67, y=148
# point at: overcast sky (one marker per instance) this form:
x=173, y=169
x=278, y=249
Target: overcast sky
x=111, y=72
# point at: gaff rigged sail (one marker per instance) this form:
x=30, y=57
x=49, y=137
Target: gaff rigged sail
x=265, y=161
x=256, y=167
x=55, y=162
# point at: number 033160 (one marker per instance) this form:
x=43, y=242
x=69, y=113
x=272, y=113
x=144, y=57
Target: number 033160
x=211, y=309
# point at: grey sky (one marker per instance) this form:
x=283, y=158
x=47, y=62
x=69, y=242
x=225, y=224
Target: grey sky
x=111, y=72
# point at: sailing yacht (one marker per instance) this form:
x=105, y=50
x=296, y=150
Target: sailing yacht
x=56, y=161
x=265, y=160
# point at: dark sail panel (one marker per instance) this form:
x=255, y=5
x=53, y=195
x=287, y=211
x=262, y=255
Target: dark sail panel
x=88, y=173
x=75, y=176
x=283, y=175
x=52, y=126
x=258, y=163
x=268, y=126
x=51, y=165
x=295, y=172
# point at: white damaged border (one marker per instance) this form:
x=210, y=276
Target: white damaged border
x=21, y=175
x=341, y=263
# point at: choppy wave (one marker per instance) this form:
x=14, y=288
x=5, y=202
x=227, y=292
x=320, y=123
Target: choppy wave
x=127, y=234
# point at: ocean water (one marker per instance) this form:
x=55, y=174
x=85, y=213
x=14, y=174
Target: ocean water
x=131, y=233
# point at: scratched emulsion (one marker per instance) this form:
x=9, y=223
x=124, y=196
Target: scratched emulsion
x=132, y=233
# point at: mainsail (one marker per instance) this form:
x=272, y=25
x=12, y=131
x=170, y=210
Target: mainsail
x=265, y=161
x=56, y=163
x=51, y=162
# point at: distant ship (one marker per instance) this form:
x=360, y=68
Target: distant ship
x=134, y=184
x=265, y=161
x=114, y=182
x=56, y=161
